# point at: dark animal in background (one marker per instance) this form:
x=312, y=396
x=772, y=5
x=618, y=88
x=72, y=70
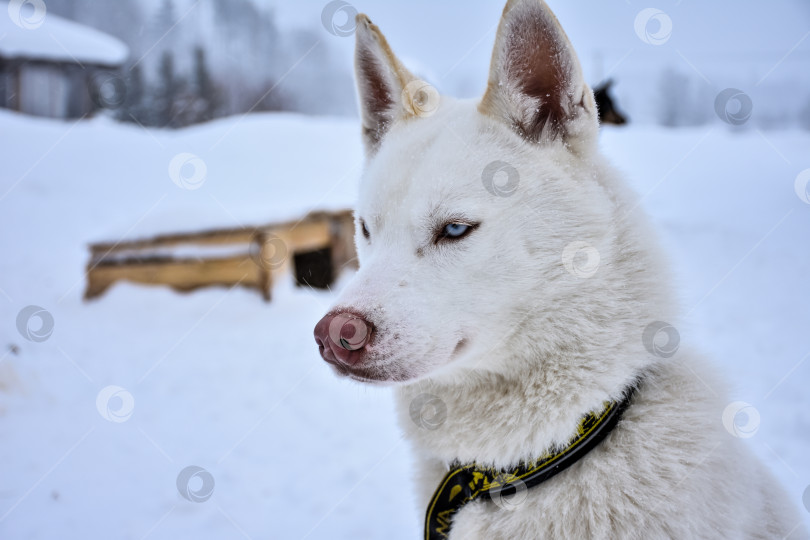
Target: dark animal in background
x=608, y=113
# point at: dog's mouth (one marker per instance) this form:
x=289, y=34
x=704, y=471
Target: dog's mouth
x=383, y=373
x=364, y=372
x=366, y=375
x=460, y=346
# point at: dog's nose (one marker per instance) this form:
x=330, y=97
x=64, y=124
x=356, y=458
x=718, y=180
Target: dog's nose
x=342, y=336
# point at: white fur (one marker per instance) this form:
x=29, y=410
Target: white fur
x=518, y=348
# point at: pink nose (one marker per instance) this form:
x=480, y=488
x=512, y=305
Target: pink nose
x=342, y=336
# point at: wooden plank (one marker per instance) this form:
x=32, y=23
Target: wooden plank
x=180, y=274
x=224, y=236
x=306, y=236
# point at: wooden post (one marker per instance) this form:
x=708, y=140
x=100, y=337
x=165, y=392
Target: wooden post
x=265, y=273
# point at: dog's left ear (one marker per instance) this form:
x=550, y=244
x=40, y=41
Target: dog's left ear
x=535, y=81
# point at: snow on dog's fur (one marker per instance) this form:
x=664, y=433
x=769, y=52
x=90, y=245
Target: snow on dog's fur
x=507, y=329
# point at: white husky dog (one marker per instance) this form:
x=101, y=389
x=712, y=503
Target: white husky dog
x=508, y=286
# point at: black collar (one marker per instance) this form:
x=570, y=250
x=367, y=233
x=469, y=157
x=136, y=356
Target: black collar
x=467, y=483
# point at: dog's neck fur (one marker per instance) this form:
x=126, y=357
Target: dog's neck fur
x=481, y=425
x=547, y=420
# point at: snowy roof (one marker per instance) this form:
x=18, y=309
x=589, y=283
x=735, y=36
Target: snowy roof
x=45, y=36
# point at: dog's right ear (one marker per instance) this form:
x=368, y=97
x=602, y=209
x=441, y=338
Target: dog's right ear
x=381, y=83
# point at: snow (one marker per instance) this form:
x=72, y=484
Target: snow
x=40, y=35
x=226, y=382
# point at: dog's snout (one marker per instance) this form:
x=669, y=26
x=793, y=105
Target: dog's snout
x=342, y=336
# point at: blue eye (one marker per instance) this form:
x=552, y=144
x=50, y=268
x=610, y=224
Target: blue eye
x=454, y=231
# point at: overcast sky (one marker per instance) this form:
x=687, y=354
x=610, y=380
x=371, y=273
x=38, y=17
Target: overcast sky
x=450, y=42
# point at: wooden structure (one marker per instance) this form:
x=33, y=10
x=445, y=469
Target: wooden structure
x=316, y=248
x=57, y=68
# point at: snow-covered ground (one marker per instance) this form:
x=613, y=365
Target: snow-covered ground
x=223, y=381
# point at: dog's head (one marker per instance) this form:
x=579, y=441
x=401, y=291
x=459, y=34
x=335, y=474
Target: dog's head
x=608, y=112
x=477, y=220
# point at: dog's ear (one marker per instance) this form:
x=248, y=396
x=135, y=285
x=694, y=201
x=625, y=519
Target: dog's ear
x=535, y=81
x=387, y=90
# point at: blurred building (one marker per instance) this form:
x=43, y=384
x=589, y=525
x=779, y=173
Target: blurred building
x=57, y=68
